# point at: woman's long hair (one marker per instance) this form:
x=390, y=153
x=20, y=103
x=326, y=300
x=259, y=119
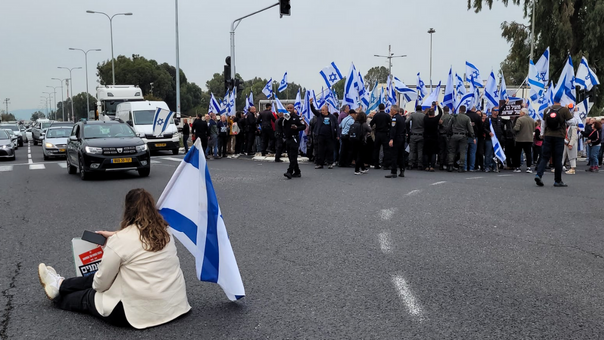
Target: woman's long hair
x=140, y=210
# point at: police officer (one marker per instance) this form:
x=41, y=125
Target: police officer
x=443, y=139
x=460, y=127
x=415, y=127
x=381, y=121
x=279, y=138
x=397, y=142
x=292, y=125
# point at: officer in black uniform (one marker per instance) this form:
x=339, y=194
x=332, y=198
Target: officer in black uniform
x=292, y=125
x=382, y=122
x=397, y=142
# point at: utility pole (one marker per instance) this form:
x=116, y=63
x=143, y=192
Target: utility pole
x=389, y=57
x=431, y=31
x=6, y=101
x=177, y=66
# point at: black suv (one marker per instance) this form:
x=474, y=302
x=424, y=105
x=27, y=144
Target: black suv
x=96, y=146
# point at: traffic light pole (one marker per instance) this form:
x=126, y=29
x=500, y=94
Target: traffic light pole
x=234, y=26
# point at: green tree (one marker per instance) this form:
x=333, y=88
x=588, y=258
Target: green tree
x=378, y=73
x=37, y=115
x=5, y=117
x=568, y=26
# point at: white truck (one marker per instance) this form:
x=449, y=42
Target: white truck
x=109, y=96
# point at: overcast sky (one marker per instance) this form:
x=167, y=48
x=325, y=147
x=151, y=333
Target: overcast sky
x=35, y=36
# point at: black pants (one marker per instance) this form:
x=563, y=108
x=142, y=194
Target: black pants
x=267, y=136
x=279, y=147
x=346, y=152
x=222, y=143
x=358, y=153
x=398, y=155
x=443, y=149
x=185, y=142
x=479, y=154
x=239, y=141
x=250, y=140
x=510, y=151
x=381, y=140
x=292, y=147
x=76, y=295
x=325, y=152
x=552, y=147
x=536, y=154
x=528, y=153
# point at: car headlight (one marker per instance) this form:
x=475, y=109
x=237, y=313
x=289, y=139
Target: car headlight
x=93, y=151
x=7, y=146
x=49, y=145
x=141, y=148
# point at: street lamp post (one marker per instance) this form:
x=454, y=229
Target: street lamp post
x=111, y=32
x=62, y=97
x=389, y=57
x=431, y=31
x=54, y=91
x=86, y=70
x=71, y=87
x=49, y=103
x=45, y=104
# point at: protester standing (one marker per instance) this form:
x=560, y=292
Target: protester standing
x=213, y=132
x=186, y=131
x=398, y=136
x=473, y=142
x=553, y=129
x=382, y=122
x=489, y=153
x=593, y=139
x=359, y=132
x=239, y=131
x=200, y=130
x=571, y=142
x=346, y=150
x=223, y=135
x=250, y=124
x=443, y=138
x=326, y=130
x=267, y=133
x=537, y=144
x=279, y=143
x=524, y=128
x=431, y=124
x=292, y=125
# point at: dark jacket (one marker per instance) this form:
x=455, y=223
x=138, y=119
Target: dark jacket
x=292, y=126
x=250, y=122
x=592, y=135
x=476, y=123
x=279, y=127
x=223, y=128
x=200, y=128
x=497, y=126
x=320, y=118
x=265, y=120
x=398, y=129
x=382, y=122
x=186, y=130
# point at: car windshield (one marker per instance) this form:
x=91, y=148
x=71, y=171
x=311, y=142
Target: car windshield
x=58, y=133
x=108, y=131
x=145, y=117
x=10, y=132
x=12, y=127
x=4, y=135
x=45, y=125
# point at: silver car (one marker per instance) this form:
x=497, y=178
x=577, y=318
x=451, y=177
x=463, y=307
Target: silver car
x=13, y=137
x=7, y=149
x=16, y=131
x=55, y=141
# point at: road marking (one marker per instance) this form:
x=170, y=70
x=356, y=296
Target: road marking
x=404, y=292
x=37, y=167
x=386, y=214
x=6, y=168
x=413, y=192
x=474, y=177
x=29, y=161
x=385, y=245
x=437, y=183
x=155, y=162
x=173, y=159
x=504, y=175
x=63, y=165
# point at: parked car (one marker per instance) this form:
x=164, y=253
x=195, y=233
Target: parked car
x=26, y=138
x=37, y=130
x=100, y=146
x=13, y=137
x=7, y=149
x=55, y=141
x=16, y=131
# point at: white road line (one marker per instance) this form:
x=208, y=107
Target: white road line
x=153, y=161
x=504, y=175
x=173, y=159
x=386, y=214
x=413, y=192
x=63, y=165
x=6, y=168
x=385, y=244
x=474, y=177
x=404, y=292
x=37, y=167
x=437, y=183
x=29, y=161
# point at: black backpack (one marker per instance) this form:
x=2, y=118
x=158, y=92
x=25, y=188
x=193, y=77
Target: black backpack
x=552, y=120
x=356, y=132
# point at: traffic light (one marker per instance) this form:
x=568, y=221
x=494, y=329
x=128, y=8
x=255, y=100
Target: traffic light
x=228, y=82
x=238, y=85
x=285, y=8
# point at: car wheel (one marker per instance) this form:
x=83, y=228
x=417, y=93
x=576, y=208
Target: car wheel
x=21, y=143
x=144, y=172
x=35, y=142
x=45, y=157
x=70, y=168
x=14, y=157
x=83, y=174
x=175, y=151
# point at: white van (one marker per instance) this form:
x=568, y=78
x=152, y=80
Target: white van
x=140, y=116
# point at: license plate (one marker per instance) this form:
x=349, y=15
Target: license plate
x=61, y=150
x=121, y=160
x=160, y=145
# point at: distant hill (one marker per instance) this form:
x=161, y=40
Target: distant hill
x=24, y=114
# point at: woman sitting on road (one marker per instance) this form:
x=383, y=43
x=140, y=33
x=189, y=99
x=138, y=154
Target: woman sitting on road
x=139, y=281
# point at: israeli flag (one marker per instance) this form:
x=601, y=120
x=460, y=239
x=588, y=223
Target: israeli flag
x=268, y=89
x=473, y=75
x=564, y=93
x=283, y=84
x=499, y=153
x=306, y=112
x=351, y=89
x=246, y=108
x=546, y=100
x=586, y=78
x=214, y=106
x=466, y=100
x=331, y=74
x=408, y=94
x=532, y=113
x=433, y=97
x=491, y=93
x=298, y=102
x=250, y=99
x=278, y=106
x=503, y=89
x=231, y=104
x=542, y=67
x=460, y=87
x=196, y=221
x=537, y=86
x=391, y=92
x=361, y=85
x=374, y=99
x=449, y=91
x=161, y=121
x=382, y=98
x=421, y=88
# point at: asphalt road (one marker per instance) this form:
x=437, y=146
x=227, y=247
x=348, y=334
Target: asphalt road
x=332, y=255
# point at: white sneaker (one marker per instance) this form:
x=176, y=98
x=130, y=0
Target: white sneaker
x=364, y=171
x=517, y=170
x=357, y=173
x=50, y=280
x=529, y=171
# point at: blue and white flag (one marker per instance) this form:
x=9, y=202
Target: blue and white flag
x=499, y=153
x=546, y=100
x=279, y=107
x=586, y=77
x=473, y=75
x=214, y=106
x=246, y=108
x=196, y=221
x=268, y=89
x=363, y=93
x=433, y=97
x=421, y=89
x=408, y=93
x=382, y=98
x=534, y=80
x=250, y=99
x=330, y=99
x=283, y=83
x=391, y=91
x=374, y=99
x=306, y=112
x=564, y=93
x=331, y=74
x=351, y=89
x=230, y=111
x=161, y=121
x=466, y=100
x=491, y=93
x=503, y=89
x=298, y=102
x=449, y=91
x=542, y=67
x=532, y=113
x=460, y=87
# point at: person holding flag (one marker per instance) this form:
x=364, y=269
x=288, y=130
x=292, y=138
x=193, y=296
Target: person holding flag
x=326, y=131
x=291, y=127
